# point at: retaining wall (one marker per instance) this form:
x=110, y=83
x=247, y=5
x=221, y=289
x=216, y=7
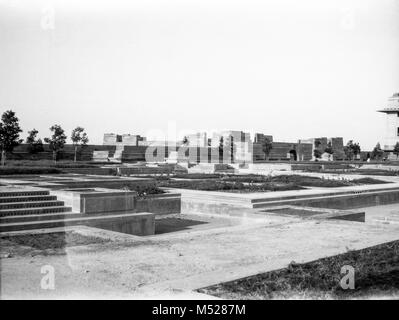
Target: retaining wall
x=159, y=204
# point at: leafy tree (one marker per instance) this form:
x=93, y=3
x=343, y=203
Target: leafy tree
x=9, y=134
x=267, y=146
x=348, y=150
x=78, y=137
x=377, y=152
x=221, y=146
x=57, y=140
x=351, y=150
x=329, y=148
x=356, y=149
x=396, y=150
x=185, y=141
x=231, y=149
x=317, y=153
x=35, y=145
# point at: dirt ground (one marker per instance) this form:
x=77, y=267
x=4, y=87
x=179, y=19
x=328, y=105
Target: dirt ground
x=172, y=265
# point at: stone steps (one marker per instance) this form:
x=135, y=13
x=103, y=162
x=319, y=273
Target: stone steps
x=24, y=193
x=36, y=210
x=26, y=198
x=41, y=217
x=30, y=204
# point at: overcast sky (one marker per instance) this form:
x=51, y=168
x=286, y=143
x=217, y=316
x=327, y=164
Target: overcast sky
x=293, y=69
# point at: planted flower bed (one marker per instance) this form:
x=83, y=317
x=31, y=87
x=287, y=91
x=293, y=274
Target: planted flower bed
x=257, y=183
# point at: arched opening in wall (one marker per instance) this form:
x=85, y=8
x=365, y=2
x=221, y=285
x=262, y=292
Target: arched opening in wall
x=293, y=155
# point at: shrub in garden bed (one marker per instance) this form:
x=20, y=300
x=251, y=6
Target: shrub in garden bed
x=144, y=190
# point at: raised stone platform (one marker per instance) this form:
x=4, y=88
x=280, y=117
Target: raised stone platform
x=194, y=201
x=48, y=201
x=25, y=208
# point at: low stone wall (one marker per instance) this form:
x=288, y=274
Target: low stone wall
x=198, y=207
x=159, y=204
x=353, y=201
x=99, y=200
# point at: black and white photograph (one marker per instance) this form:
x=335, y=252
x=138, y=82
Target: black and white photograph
x=212, y=151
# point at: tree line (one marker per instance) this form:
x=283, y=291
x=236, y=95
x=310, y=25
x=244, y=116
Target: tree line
x=10, y=137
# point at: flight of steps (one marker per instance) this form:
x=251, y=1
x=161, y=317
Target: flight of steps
x=20, y=210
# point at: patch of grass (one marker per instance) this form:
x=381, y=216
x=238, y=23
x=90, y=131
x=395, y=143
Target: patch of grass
x=56, y=240
x=51, y=164
x=387, y=173
x=368, y=181
x=307, y=181
x=256, y=183
x=28, y=170
x=248, y=178
x=376, y=271
x=219, y=185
